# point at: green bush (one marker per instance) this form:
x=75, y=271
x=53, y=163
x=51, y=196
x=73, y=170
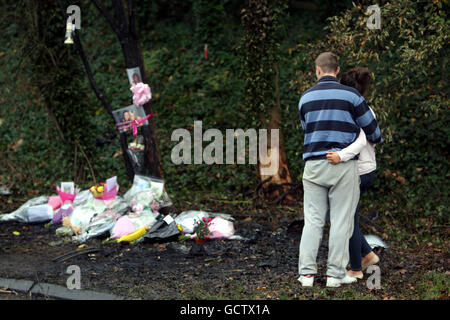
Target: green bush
x=409, y=95
x=408, y=59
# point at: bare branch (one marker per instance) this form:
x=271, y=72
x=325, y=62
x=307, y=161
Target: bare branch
x=87, y=160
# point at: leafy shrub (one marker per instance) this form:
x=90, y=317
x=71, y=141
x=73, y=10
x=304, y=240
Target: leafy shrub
x=408, y=59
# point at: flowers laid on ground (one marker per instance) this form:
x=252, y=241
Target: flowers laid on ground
x=98, y=190
x=201, y=228
x=135, y=235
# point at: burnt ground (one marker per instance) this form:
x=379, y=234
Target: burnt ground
x=264, y=266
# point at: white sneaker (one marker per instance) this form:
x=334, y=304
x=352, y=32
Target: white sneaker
x=336, y=282
x=306, y=280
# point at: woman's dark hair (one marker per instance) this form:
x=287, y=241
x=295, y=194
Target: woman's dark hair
x=358, y=78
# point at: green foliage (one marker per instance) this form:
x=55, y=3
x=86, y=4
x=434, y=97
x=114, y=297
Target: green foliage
x=49, y=130
x=187, y=87
x=207, y=13
x=408, y=59
x=260, y=54
x=229, y=90
x=433, y=285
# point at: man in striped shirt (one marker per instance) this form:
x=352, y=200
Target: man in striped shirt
x=331, y=115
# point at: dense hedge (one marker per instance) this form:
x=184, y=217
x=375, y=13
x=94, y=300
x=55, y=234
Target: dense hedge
x=49, y=105
x=408, y=57
x=409, y=94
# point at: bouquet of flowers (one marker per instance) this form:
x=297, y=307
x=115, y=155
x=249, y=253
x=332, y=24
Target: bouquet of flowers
x=136, y=154
x=201, y=228
x=98, y=190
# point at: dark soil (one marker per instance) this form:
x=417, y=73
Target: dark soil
x=264, y=266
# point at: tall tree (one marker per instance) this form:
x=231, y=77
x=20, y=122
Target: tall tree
x=123, y=25
x=260, y=49
x=55, y=74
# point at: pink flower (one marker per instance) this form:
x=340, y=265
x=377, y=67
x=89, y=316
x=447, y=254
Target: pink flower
x=154, y=206
x=204, y=219
x=138, y=208
x=141, y=93
x=209, y=219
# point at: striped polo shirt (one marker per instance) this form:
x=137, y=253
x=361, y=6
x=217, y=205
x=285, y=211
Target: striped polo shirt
x=331, y=115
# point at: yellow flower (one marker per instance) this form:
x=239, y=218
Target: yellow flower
x=179, y=227
x=100, y=189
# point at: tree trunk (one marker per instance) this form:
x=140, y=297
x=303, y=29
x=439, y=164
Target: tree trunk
x=282, y=175
x=132, y=53
x=125, y=28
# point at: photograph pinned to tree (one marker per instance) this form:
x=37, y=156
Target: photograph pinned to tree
x=141, y=91
x=130, y=117
x=134, y=75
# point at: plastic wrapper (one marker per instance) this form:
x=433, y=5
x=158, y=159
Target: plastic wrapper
x=40, y=213
x=161, y=231
x=21, y=214
x=96, y=217
x=220, y=228
x=55, y=202
x=221, y=225
x=137, y=160
x=98, y=226
x=140, y=216
x=82, y=197
x=375, y=241
x=136, y=154
x=82, y=214
x=187, y=219
x=109, y=195
x=145, y=218
x=65, y=196
x=65, y=211
x=122, y=227
x=147, y=191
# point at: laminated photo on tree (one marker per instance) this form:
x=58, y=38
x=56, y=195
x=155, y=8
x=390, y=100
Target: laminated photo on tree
x=130, y=117
x=134, y=75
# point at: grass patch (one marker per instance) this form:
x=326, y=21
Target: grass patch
x=434, y=285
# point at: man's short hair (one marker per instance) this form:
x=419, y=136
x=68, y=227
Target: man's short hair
x=327, y=61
